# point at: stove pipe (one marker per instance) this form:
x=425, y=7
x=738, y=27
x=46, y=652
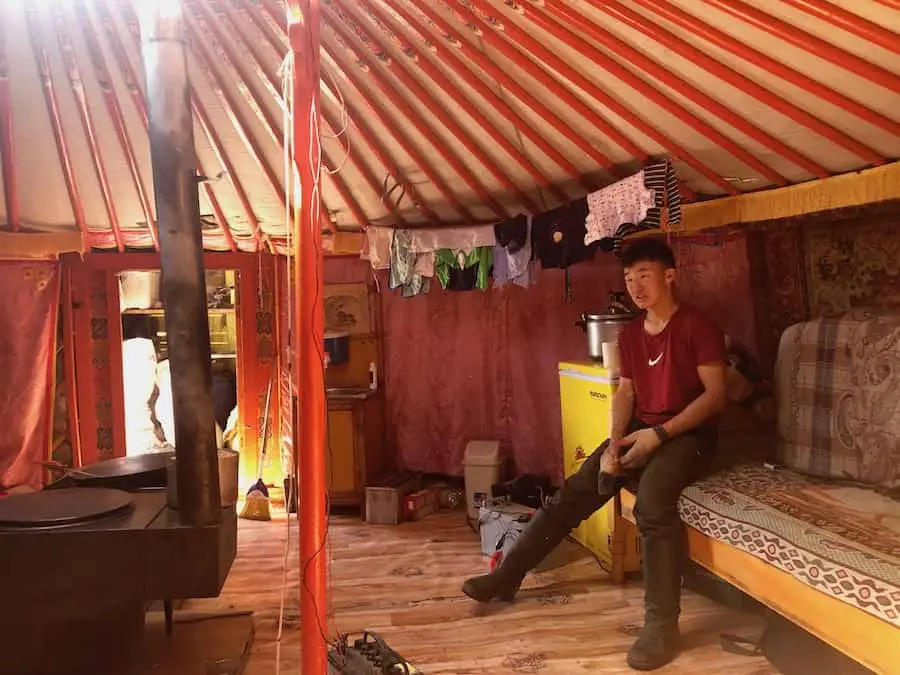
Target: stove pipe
x=183, y=282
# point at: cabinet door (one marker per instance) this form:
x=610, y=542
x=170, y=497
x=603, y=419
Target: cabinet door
x=341, y=461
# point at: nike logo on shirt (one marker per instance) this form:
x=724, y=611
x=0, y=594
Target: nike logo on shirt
x=653, y=362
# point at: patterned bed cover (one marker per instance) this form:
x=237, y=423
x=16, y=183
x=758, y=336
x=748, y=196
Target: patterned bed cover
x=841, y=540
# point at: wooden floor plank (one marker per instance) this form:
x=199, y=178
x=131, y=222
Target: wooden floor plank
x=403, y=582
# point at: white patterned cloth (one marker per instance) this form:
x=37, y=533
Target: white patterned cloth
x=626, y=201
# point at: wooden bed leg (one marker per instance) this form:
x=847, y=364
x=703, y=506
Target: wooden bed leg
x=169, y=613
x=617, y=544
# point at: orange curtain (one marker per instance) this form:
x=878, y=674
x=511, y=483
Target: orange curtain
x=28, y=313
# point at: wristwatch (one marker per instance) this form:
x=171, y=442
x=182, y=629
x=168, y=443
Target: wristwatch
x=661, y=433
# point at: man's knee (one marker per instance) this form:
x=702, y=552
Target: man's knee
x=655, y=515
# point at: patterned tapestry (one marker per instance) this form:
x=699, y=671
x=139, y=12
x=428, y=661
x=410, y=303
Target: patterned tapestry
x=853, y=265
x=807, y=271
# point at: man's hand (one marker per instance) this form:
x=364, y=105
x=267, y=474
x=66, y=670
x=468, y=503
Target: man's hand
x=610, y=460
x=641, y=444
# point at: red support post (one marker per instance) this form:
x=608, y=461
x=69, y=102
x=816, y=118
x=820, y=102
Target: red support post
x=303, y=23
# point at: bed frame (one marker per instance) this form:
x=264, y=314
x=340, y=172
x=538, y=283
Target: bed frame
x=864, y=638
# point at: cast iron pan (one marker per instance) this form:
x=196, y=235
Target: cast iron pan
x=60, y=508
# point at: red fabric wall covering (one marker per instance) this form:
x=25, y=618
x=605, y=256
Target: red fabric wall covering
x=461, y=366
x=28, y=316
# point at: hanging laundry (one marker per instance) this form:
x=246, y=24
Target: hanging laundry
x=625, y=201
x=460, y=271
x=403, y=266
x=425, y=264
x=426, y=239
x=512, y=254
x=558, y=236
x=660, y=179
x=512, y=234
x=377, y=248
x=666, y=212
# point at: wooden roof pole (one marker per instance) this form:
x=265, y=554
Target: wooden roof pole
x=174, y=160
x=303, y=24
x=7, y=152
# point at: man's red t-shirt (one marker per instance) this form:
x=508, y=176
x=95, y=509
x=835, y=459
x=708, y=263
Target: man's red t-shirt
x=663, y=367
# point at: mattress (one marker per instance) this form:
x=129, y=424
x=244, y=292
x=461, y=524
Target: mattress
x=839, y=538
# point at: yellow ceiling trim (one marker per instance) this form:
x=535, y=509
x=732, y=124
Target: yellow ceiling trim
x=870, y=186
x=39, y=245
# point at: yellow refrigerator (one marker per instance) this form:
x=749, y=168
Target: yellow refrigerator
x=586, y=390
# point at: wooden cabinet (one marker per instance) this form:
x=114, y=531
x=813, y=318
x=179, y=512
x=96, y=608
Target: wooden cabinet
x=356, y=453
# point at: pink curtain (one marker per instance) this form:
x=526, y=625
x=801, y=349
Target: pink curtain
x=484, y=365
x=28, y=313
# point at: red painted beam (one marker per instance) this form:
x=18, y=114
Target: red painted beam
x=695, y=26
x=76, y=82
x=733, y=78
x=389, y=166
x=848, y=21
x=62, y=147
x=547, y=81
x=350, y=70
x=665, y=103
x=115, y=112
x=261, y=110
x=366, y=173
x=274, y=87
x=229, y=107
x=809, y=43
x=309, y=329
x=394, y=129
x=132, y=83
x=893, y=4
x=526, y=48
x=413, y=55
x=458, y=66
x=758, y=92
x=447, y=33
x=435, y=109
x=370, y=139
x=7, y=149
x=401, y=104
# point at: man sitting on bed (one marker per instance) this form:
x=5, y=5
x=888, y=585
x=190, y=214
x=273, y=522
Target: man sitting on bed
x=671, y=389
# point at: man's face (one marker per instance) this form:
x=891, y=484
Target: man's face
x=648, y=283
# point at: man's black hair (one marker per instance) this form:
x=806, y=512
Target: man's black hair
x=649, y=250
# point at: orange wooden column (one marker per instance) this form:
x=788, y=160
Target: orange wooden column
x=303, y=24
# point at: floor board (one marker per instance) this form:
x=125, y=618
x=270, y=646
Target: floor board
x=403, y=582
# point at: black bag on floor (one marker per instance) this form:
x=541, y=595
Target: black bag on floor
x=794, y=651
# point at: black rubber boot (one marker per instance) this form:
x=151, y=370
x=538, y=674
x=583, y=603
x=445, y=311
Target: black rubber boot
x=659, y=640
x=541, y=536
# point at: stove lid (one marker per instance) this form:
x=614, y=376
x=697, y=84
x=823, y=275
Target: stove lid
x=61, y=508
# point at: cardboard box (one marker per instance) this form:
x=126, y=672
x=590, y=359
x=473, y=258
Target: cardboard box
x=385, y=500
